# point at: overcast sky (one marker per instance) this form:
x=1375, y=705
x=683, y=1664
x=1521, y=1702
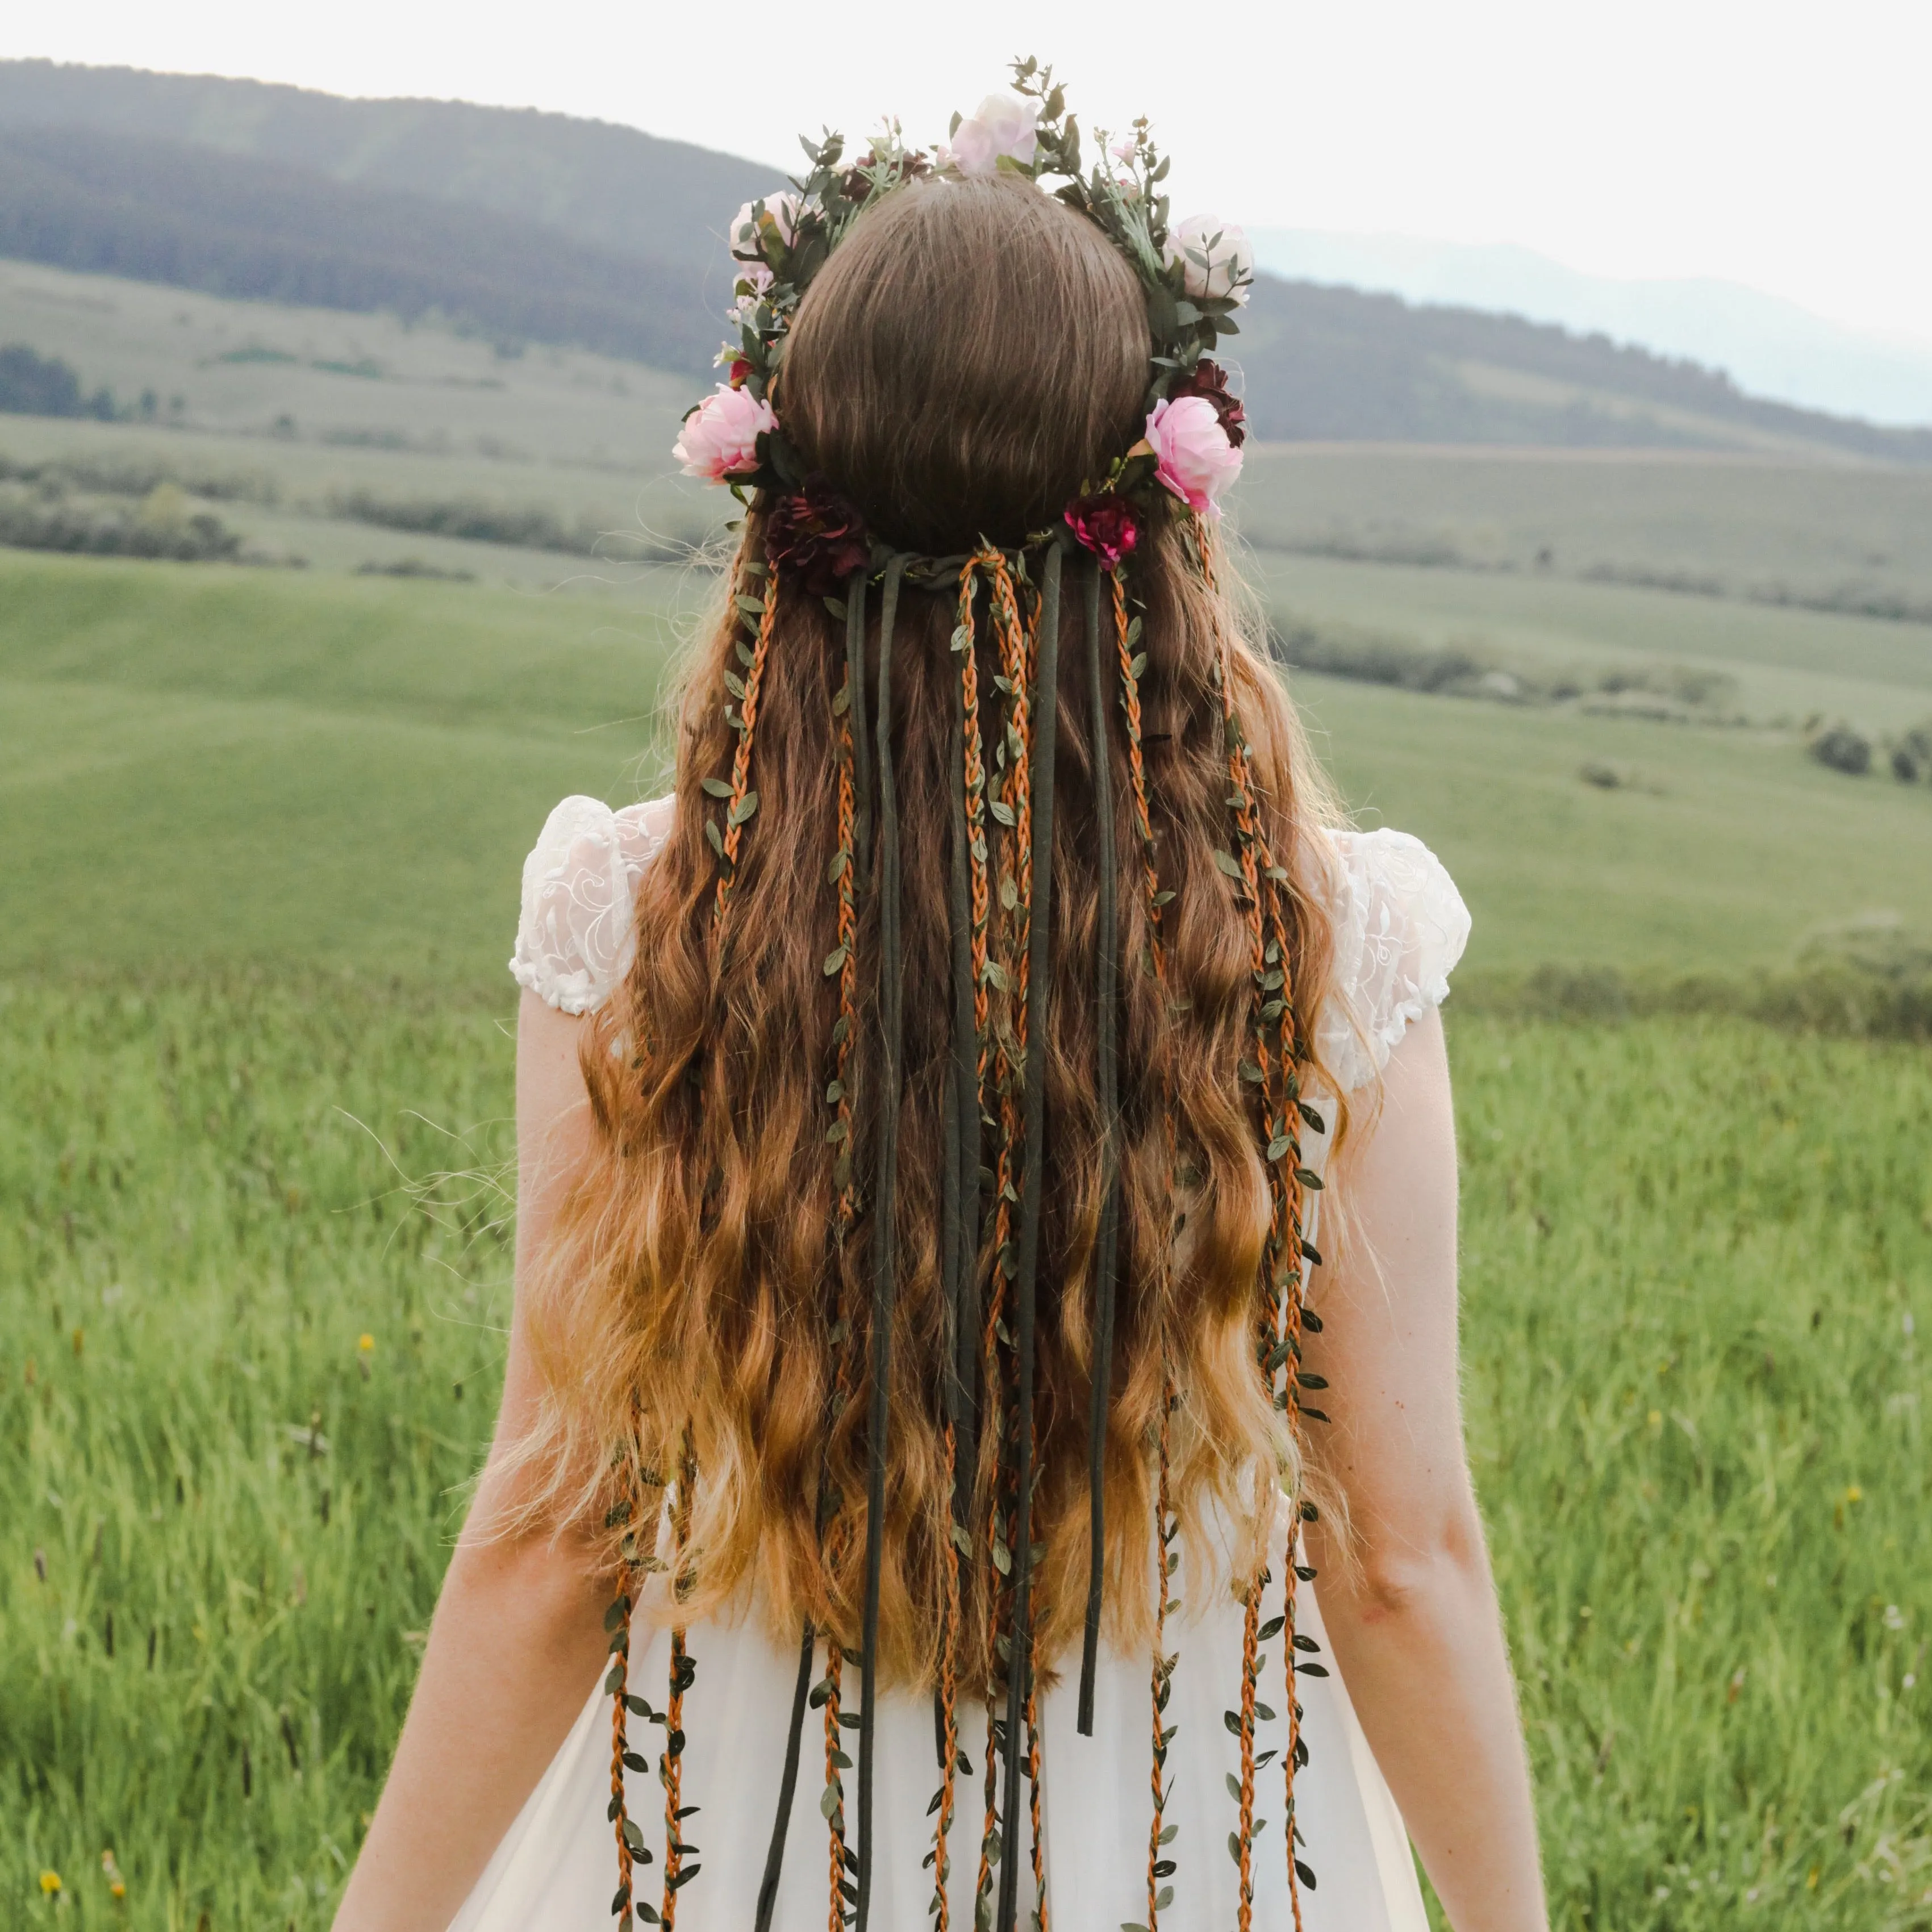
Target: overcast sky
x=1781, y=143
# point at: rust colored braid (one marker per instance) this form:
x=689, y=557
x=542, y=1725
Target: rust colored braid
x=618, y=1684
x=845, y=1032
x=1130, y=701
x=1281, y=1321
x=949, y=1706
x=736, y=811
x=1246, y=842
x=1166, y=1525
x=683, y=1670
x=1166, y=1528
x=1016, y=813
x=976, y=802
x=1244, y=1911
x=838, y=1856
x=1035, y=1775
x=834, y=1531
x=637, y=1556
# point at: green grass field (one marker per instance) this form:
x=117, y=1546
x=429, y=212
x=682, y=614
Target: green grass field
x=219, y=765
x=1694, y=1259
x=265, y=828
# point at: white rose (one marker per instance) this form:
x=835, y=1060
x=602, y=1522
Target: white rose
x=1230, y=262
x=1003, y=124
x=743, y=234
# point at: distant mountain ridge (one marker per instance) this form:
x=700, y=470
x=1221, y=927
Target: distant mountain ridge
x=524, y=224
x=1769, y=347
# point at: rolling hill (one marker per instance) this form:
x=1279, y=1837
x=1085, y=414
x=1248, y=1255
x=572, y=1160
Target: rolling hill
x=528, y=225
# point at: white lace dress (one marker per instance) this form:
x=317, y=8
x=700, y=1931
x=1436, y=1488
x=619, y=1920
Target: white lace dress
x=1400, y=928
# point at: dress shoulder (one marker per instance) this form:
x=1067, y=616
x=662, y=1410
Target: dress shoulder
x=1400, y=927
x=574, y=936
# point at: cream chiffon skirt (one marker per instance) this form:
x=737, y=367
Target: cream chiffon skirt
x=556, y=1869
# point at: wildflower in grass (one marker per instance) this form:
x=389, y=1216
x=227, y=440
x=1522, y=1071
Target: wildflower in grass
x=365, y=1347
x=50, y=1883
x=117, y=1885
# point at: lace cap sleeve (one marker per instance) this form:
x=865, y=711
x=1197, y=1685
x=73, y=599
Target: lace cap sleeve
x=1400, y=926
x=575, y=938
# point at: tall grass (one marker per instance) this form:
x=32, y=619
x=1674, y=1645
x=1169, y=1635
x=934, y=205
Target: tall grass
x=1696, y=1256
x=242, y=1513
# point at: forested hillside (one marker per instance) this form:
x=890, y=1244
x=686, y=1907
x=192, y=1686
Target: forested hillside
x=524, y=226
x=162, y=210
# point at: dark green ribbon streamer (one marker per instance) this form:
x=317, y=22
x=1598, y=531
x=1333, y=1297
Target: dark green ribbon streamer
x=855, y=693
x=768, y=1886
x=1106, y=1243
x=959, y=1232
x=884, y=1231
x=1040, y=921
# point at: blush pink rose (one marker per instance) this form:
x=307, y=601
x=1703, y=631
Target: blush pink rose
x=1196, y=460
x=746, y=243
x=720, y=437
x=1002, y=124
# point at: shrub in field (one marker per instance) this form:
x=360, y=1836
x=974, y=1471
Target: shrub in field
x=1839, y=747
x=161, y=526
x=33, y=384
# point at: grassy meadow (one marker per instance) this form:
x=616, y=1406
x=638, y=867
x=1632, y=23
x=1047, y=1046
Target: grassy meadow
x=264, y=824
x=1697, y=1254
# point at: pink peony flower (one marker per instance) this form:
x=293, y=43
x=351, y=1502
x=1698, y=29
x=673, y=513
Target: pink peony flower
x=747, y=240
x=720, y=437
x=1001, y=125
x=1197, y=462
x=1230, y=262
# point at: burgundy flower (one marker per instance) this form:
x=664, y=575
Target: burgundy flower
x=816, y=536
x=857, y=186
x=1107, y=524
x=1209, y=379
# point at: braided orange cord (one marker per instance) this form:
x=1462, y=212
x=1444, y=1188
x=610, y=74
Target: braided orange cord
x=637, y=1552
x=673, y=1765
x=949, y=1705
x=1282, y=1292
x=837, y=1855
x=1166, y=1527
x=847, y=1028
x=741, y=762
x=1013, y=644
x=1163, y=1666
x=975, y=808
x=1036, y=1776
x=618, y=1682
x=1137, y=771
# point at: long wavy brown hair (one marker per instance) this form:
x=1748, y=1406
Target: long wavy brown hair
x=973, y=356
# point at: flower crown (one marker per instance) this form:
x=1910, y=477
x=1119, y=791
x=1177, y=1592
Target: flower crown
x=1193, y=274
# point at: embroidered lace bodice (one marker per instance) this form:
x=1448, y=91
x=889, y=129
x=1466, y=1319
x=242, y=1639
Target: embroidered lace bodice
x=1400, y=925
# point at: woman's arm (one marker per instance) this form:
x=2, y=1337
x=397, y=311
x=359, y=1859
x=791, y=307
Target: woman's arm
x=1410, y=1607
x=518, y=1634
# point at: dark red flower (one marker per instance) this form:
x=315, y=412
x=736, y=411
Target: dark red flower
x=736, y=370
x=1107, y=524
x=857, y=186
x=1211, y=380
x=816, y=536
